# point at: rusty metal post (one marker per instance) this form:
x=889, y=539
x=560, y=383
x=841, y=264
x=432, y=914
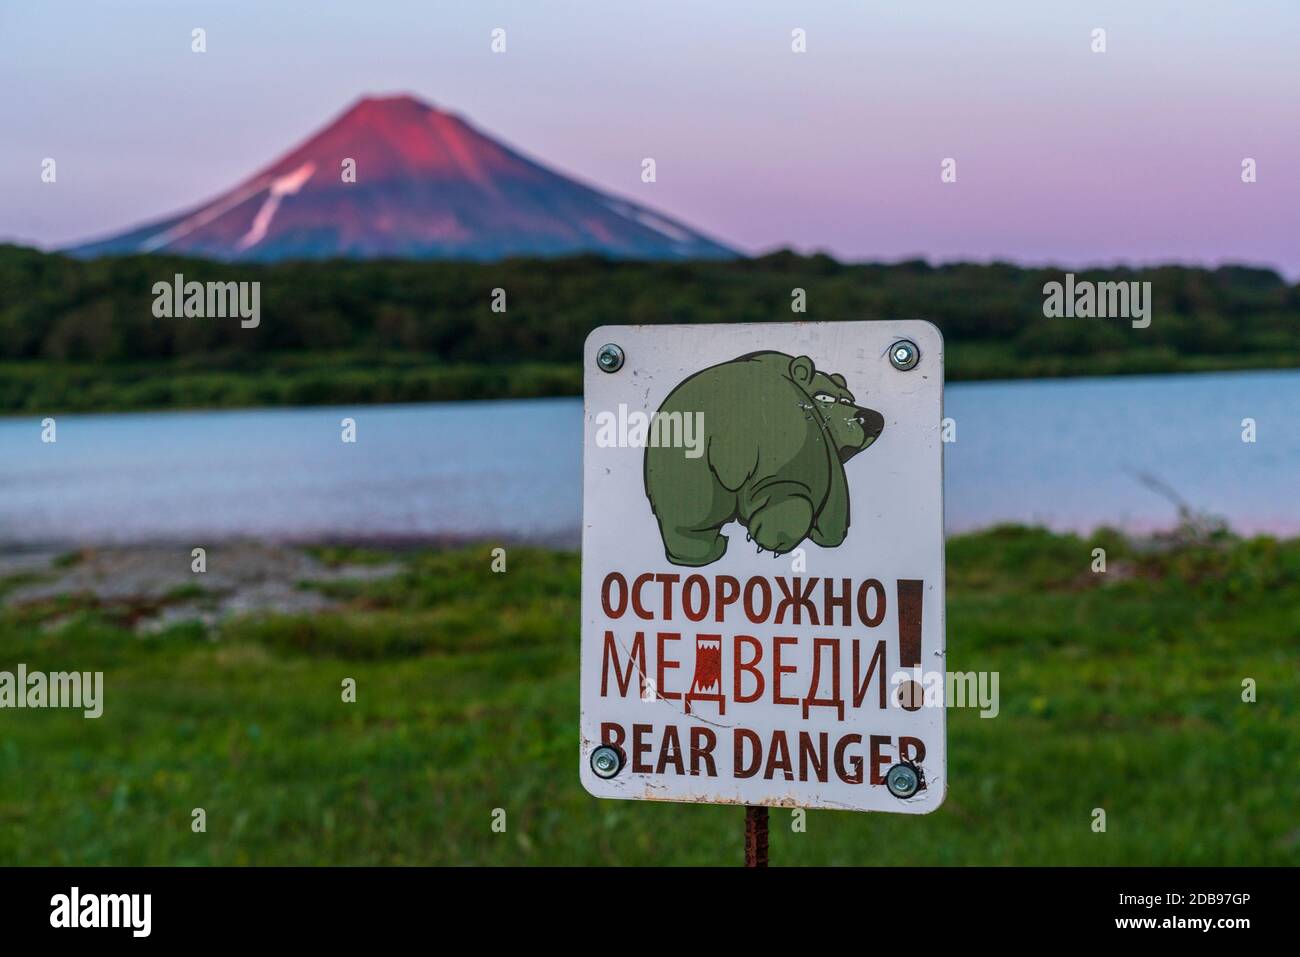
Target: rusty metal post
x=755, y=836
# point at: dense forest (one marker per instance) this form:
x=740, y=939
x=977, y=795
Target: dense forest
x=82, y=335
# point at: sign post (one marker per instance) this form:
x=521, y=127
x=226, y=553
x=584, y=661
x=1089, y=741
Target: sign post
x=755, y=836
x=762, y=570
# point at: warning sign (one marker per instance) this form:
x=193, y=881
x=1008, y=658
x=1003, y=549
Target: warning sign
x=762, y=565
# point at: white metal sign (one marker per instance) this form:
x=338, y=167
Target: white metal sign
x=762, y=565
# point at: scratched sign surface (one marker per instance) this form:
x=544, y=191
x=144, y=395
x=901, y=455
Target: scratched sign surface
x=762, y=565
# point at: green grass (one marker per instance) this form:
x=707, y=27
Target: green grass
x=39, y=387
x=1120, y=691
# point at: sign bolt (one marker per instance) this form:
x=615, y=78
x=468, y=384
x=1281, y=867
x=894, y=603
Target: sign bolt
x=904, y=355
x=609, y=358
x=902, y=780
x=606, y=762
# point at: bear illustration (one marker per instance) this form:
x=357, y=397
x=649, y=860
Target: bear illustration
x=776, y=436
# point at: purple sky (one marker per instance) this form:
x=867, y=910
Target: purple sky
x=1063, y=155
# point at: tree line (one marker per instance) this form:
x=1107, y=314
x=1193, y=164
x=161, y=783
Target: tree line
x=58, y=311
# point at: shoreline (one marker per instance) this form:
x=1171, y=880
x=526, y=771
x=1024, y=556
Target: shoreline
x=8, y=414
x=570, y=540
x=151, y=587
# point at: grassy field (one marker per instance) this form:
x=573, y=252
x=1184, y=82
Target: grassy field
x=1121, y=691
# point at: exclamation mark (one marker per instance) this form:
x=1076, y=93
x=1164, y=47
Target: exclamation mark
x=909, y=621
x=910, y=694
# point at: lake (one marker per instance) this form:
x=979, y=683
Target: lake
x=1066, y=453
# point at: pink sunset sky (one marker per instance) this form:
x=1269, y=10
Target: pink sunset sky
x=1064, y=155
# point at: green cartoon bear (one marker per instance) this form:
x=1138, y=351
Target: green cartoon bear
x=776, y=436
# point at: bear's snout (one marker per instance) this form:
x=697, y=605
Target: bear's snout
x=872, y=422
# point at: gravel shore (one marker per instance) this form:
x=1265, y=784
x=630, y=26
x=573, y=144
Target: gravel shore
x=160, y=582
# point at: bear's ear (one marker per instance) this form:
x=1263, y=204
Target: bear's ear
x=801, y=370
x=839, y=380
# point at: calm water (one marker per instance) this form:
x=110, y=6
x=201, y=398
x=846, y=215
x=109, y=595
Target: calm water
x=1065, y=453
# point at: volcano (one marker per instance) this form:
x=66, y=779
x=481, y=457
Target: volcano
x=427, y=185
